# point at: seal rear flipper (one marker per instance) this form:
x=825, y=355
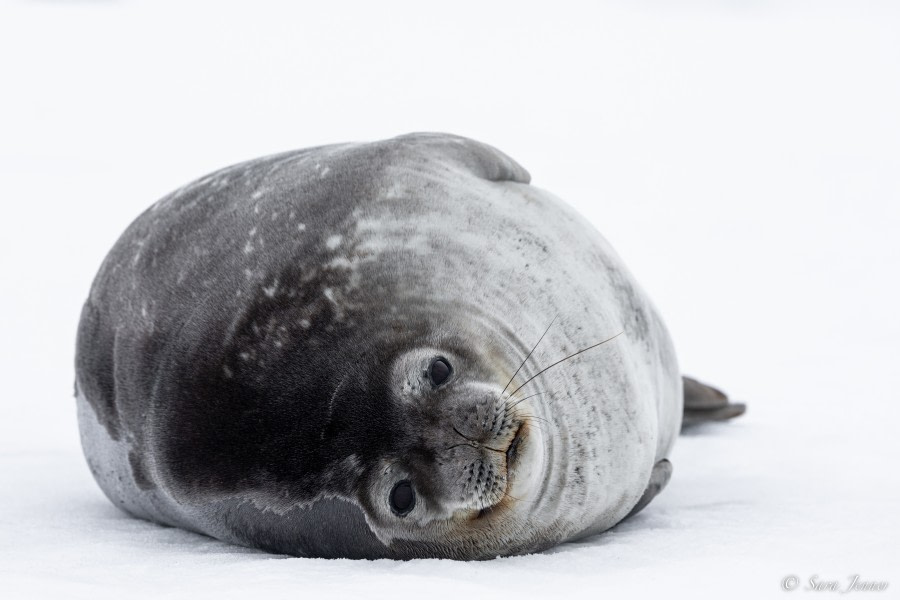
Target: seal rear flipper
x=662, y=472
x=704, y=403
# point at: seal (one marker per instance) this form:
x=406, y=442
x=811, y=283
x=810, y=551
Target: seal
x=395, y=349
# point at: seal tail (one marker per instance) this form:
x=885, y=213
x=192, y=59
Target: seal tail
x=703, y=403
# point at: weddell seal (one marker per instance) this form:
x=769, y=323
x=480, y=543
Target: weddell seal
x=396, y=349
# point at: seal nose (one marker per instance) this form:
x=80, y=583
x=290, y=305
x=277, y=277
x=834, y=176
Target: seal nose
x=470, y=442
x=482, y=419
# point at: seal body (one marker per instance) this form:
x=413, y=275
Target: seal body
x=396, y=349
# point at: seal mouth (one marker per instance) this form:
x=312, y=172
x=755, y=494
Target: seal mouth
x=512, y=451
x=512, y=456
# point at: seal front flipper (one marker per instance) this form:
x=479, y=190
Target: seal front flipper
x=704, y=403
x=475, y=157
x=662, y=472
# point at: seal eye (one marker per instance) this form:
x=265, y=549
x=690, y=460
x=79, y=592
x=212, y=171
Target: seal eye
x=403, y=498
x=439, y=371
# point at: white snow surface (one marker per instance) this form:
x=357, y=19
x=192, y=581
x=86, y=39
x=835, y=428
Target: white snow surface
x=742, y=157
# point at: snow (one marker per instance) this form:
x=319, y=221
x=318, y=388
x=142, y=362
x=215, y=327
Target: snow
x=744, y=159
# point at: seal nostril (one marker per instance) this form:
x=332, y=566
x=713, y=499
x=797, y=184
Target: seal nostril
x=402, y=498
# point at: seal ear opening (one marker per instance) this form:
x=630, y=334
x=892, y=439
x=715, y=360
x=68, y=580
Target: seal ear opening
x=480, y=159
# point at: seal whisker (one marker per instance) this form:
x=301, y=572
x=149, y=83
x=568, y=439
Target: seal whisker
x=455, y=446
x=529, y=417
x=517, y=402
x=463, y=436
x=527, y=501
x=536, y=426
x=522, y=414
x=330, y=412
x=528, y=355
x=562, y=360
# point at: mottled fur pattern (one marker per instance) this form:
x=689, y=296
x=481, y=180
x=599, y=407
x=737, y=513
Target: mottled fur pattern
x=250, y=359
